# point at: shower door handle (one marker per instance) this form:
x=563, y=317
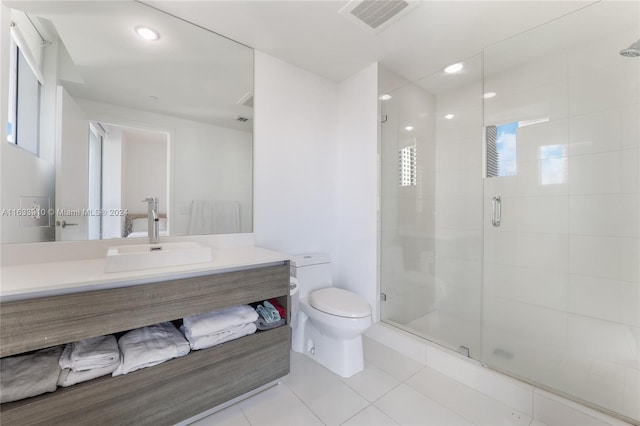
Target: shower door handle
x=496, y=204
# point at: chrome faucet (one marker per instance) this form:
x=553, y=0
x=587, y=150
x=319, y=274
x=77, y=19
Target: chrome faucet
x=154, y=218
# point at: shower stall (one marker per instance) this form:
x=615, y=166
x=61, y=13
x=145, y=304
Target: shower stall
x=510, y=206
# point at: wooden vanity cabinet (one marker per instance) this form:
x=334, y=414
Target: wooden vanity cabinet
x=159, y=395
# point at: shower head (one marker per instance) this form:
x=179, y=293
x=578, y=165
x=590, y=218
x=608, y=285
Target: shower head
x=632, y=51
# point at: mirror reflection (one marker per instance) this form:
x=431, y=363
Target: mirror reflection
x=110, y=103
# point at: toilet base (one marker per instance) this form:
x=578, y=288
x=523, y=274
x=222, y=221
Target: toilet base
x=345, y=357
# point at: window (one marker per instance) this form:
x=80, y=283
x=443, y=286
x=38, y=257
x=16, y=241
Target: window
x=407, y=166
x=23, y=124
x=501, y=150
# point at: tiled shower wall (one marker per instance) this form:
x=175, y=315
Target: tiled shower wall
x=458, y=234
x=561, y=277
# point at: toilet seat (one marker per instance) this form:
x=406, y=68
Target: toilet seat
x=339, y=302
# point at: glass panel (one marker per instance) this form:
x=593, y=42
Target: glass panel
x=431, y=231
x=561, y=272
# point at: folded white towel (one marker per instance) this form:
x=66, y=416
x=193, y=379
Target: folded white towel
x=148, y=346
x=69, y=377
x=29, y=375
x=203, y=342
x=87, y=354
x=219, y=320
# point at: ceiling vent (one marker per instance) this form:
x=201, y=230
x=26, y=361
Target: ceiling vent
x=246, y=100
x=376, y=15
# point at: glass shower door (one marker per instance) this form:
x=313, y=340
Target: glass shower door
x=431, y=207
x=561, y=296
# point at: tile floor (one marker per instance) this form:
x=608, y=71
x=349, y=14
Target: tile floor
x=392, y=390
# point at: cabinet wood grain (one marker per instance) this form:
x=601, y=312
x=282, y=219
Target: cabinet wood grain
x=159, y=395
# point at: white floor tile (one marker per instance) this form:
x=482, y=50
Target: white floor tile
x=310, y=380
x=372, y=382
x=409, y=407
x=370, y=416
x=337, y=404
x=277, y=406
x=324, y=392
x=231, y=416
x=535, y=422
x=552, y=412
x=464, y=400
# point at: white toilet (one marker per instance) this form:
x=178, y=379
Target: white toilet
x=330, y=321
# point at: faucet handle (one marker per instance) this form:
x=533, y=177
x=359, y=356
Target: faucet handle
x=150, y=200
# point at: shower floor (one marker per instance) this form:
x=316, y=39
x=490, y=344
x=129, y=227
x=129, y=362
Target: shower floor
x=447, y=330
x=594, y=382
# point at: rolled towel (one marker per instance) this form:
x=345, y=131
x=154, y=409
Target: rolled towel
x=219, y=320
x=275, y=312
x=29, y=375
x=268, y=314
x=279, y=307
x=91, y=353
x=148, y=346
x=203, y=342
x=263, y=325
x=69, y=377
x=264, y=314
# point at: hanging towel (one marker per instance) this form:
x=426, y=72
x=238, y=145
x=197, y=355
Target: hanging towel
x=261, y=324
x=148, y=346
x=218, y=320
x=24, y=376
x=207, y=341
x=214, y=217
x=87, y=354
x=69, y=377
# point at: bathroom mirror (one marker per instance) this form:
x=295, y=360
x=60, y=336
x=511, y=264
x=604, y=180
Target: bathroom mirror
x=122, y=118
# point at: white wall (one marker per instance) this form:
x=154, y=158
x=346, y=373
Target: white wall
x=72, y=172
x=355, y=240
x=316, y=168
x=295, y=155
x=112, y=225
x=144, y=169
x=22, y=173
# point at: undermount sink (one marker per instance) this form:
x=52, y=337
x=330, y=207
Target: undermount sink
x=147, y=256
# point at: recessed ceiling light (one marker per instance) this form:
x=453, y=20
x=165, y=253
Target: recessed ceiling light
x=147, y=33
x=384, y=97
x=449, y=116
x=453, y=68
x=489, y=95
x=408, y=128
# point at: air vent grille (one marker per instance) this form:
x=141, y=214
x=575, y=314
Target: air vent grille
x=376, y=14
x=241, y=119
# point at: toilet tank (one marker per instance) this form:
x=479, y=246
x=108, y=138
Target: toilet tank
x=313, y=272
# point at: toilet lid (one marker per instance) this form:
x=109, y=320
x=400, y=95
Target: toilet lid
x=343, y=303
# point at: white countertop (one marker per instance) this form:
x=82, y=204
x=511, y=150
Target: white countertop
x=55, y=278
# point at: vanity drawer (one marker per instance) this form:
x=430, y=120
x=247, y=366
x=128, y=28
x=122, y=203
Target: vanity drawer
x=31, y=324
x=163, y=394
